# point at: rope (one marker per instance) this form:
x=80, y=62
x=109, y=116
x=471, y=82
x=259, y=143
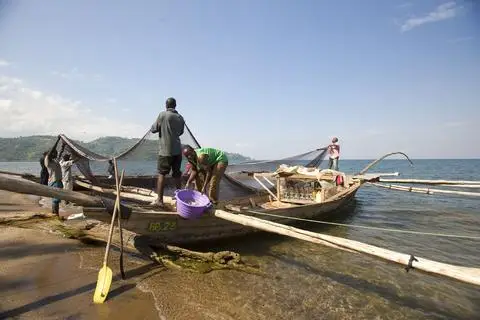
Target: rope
x=369, y=227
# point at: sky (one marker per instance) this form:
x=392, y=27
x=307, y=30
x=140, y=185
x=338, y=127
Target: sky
x=265, y=78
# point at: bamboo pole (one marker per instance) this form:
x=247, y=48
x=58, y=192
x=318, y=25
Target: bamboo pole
x=464, y=274
x=130, y=189
x=419, y=181
x=467, y=186
x=425, y=190
x=17, y=174
x=369, y=176
x=126, y=195
x=28, y=187
x=227, y=216
x=373, y=163
x=265, y=187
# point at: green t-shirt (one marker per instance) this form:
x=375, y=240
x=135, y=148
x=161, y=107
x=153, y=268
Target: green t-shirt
x=214, y=155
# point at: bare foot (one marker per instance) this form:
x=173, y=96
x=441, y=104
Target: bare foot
x=158, y=204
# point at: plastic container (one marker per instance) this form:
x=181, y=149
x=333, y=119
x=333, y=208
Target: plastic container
x=191, y=204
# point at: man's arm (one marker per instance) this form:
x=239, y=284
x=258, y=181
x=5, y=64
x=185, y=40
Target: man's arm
x=47, y=157
x=156, y=126
x=182, y=129
x=54, y=146
x=192, y=176
x=203, y=162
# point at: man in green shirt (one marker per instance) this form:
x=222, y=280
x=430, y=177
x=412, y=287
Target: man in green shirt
x=212, y=162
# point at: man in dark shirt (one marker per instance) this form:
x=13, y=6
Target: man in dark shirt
x=44, y=171
x=170, y=126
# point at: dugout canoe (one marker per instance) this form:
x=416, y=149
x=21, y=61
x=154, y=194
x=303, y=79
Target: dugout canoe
x=166, y=226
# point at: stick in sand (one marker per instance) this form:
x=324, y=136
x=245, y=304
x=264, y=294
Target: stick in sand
x=122, y=270
x=104, y=280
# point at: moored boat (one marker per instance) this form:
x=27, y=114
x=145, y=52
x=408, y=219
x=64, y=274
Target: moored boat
x=166, y=226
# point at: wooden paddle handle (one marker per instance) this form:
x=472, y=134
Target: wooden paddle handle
x=115, y=209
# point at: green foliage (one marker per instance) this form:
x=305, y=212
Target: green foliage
x=31, y=148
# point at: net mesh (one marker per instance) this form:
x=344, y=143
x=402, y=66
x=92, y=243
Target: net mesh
x=139, y=159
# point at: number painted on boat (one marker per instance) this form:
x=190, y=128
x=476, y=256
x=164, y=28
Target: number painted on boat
x=162, y=226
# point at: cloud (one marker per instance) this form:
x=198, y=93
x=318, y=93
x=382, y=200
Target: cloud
x=4, y=63
x=444, y=11
x=75, y=74
x=5, y=104
x=31, y=111
x=111, y=100
x=69, y=75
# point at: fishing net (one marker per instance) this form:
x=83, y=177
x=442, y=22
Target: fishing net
x=139, y=159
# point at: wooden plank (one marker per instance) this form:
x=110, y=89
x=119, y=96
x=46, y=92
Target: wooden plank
x=420, y=181
x=125, y=195
x=28, y=187
x=464, y=274
x=425, y=190
x=266, y=188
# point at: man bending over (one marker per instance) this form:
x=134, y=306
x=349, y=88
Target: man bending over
x=213, y=162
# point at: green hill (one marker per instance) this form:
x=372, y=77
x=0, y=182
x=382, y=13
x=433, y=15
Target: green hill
x=31, y=148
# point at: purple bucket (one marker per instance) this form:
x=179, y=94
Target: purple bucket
x=191, y=204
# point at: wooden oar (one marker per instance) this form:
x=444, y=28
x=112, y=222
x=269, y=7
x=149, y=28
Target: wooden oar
x=464, y=274
x=104, y=279
x=117, y=184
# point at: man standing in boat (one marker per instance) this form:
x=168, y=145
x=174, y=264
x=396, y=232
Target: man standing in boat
x=169, y=126
x=213, y=162
x=334, y=151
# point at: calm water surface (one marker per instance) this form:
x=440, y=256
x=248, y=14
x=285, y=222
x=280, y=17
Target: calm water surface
x=307, y=281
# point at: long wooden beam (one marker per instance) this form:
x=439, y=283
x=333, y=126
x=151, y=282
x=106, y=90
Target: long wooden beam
x=425, y=190
x=19, y=185
x=420, y=181
x=125, y=195
x=464, y=274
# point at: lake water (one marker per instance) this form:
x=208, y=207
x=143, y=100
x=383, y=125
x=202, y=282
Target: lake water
x=308, y=281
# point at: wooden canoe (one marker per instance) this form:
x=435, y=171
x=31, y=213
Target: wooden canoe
x=169, y=227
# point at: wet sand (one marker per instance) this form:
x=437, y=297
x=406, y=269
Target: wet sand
x=44, y=276
x=48, y=277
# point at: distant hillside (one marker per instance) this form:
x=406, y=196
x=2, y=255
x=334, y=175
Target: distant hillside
x=31, y=148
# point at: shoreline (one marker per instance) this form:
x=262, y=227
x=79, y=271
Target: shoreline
x=44, y=275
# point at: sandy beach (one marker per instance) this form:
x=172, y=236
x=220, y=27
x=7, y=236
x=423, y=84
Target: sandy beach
x=45, y=276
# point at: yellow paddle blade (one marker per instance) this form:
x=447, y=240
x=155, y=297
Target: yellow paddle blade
x=103, y=284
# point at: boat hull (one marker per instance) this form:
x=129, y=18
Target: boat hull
x=169, y=227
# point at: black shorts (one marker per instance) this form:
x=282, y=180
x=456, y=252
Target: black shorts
x=167, y=163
